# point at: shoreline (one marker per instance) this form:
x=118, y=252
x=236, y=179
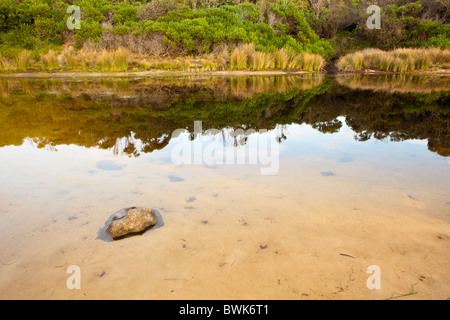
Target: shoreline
x=152, y=73
x=223, y=73
x=442, y=72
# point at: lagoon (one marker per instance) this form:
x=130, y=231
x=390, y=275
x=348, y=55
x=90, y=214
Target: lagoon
x=362, y=179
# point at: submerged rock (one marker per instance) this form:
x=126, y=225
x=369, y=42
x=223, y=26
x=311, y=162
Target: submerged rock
x=135, y=221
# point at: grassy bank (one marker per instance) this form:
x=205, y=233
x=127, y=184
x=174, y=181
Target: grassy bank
x=242, y=57
x=398, y=60
x=262, y=35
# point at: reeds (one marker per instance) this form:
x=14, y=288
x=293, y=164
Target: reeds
x=305, y=61
x=49, y=61
x=120, y=59
x=87, y=57
x=222, y=55
x=258, y=61
x=312, y=62
x=238, y=59
x=6, y=64
x=104, y=61
x=116, y=60
x=174, y=64
x=399, y=60
x=23, y=60
x=245, y=57
x=209, y=65
x=162, y=64
x=262, y=61
x=70, y=58
x=144, y=63
x=281, y=59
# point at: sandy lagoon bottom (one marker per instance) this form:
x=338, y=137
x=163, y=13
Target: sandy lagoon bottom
x=334, y=208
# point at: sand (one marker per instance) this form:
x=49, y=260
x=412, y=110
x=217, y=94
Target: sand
x=229, y=233
x=149, y=74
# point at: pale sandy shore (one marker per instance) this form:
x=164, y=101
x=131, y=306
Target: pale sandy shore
x=151, y=73
x=226, y=73
x=228, y=233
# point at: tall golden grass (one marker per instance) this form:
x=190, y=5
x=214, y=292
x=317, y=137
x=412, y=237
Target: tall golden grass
x=120, y=59
x=209, y=65
x=6, y=64
x=104, y=61
x=116, y=60
x=243, y=57
x=87, y=57
x=222, y=55
x=247, y=58
x=49, y=61
x=71, y=59
x=398, y=60
x=174, y=64
x=282, y=58
x=262, y=61
x=238, y=59
x=298, y=61
x=313, y=62
x=23, y=60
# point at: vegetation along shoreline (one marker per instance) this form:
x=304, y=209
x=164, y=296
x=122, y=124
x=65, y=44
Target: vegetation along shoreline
x=146, y=36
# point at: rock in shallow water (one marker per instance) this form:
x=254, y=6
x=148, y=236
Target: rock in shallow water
x=135, y=221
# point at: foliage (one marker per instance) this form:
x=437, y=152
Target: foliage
x=34, y=23
x=196, y=27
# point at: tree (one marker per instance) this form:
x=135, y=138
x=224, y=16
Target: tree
x=318, y=6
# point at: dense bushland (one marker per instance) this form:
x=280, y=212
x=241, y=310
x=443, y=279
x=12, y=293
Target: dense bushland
x=34, y=34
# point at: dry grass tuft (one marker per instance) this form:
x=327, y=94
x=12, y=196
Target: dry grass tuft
x=398, y=60
x=23, y=60
x=49, y=61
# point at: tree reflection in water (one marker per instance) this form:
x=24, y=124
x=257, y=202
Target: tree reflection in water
x=131, y=116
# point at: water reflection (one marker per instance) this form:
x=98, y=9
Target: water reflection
x=396, y=83
x=226, y=227
x=134, y=116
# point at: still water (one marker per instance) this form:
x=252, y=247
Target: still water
x=286, y=187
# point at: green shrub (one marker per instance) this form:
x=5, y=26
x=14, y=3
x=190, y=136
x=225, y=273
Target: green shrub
x=32, y=24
